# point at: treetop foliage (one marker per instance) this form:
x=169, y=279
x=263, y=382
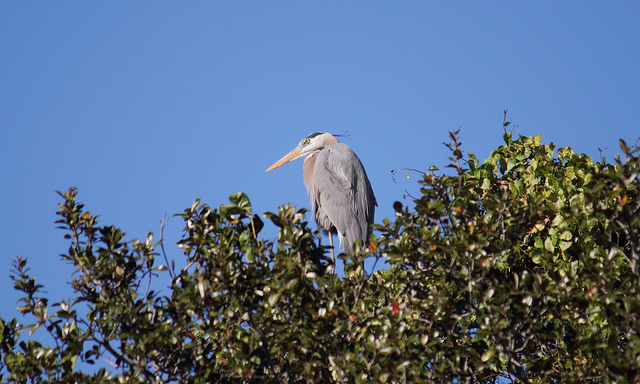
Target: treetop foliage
x=521, y=268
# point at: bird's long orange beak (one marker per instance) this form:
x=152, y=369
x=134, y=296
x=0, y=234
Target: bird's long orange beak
x=287, y=158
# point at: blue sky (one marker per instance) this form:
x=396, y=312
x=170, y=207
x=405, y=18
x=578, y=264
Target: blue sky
x=145, y=106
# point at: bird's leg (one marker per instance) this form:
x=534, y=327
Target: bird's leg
x=332, y=268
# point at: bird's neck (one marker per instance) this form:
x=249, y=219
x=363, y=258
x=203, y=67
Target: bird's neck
x=307, y=168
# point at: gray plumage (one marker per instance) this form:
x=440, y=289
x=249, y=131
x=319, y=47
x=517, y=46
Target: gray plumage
x=342, y=200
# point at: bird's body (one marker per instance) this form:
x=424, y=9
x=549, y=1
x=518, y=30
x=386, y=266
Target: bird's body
x=342, y=199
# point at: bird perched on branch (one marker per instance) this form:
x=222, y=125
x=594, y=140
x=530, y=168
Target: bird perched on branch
x=342, y=200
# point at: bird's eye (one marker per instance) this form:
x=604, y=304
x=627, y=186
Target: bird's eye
x=307, y=141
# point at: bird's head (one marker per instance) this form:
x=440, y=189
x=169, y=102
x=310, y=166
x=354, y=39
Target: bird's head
x=314, y=142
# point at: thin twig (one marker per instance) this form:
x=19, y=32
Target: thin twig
x=163, y=223
x=394, y=171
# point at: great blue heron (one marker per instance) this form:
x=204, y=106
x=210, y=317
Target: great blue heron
x=342, y=200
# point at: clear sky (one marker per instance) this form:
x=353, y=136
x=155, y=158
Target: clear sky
x=145, y=106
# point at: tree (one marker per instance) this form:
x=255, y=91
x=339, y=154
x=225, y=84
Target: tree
x=523, y=268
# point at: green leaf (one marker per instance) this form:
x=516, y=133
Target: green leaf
x=538, y=242
x=548, y=244
x=241, y=200
x=257, y=225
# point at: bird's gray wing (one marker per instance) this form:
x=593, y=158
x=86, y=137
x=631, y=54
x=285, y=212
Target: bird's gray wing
x=343, y=194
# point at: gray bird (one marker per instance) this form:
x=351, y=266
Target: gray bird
x=342, y=200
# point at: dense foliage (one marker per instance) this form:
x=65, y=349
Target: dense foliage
x=523, y=268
